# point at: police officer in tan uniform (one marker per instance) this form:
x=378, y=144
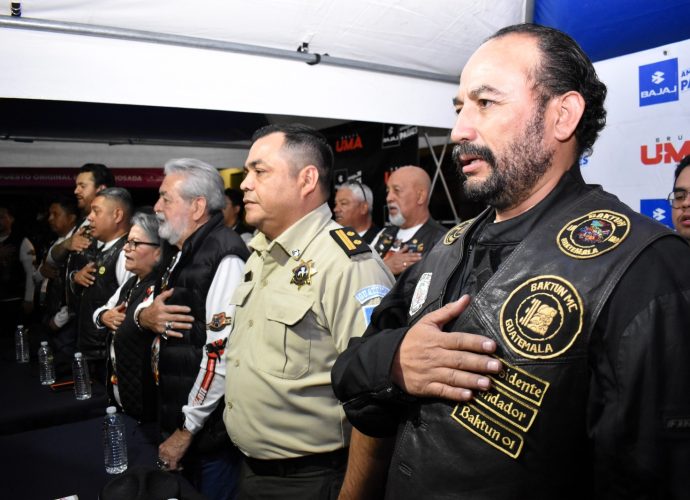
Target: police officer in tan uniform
x=309, y=286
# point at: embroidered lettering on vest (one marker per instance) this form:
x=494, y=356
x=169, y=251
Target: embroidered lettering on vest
x=498, y=416
x=488, y=429
x=593, y=234
x=542, y=317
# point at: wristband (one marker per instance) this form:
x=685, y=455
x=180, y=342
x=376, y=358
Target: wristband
x=99, y=323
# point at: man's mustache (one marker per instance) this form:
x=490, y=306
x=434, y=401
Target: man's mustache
x=468, y=149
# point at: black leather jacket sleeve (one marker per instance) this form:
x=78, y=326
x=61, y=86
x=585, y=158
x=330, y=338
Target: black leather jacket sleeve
x=639, y=403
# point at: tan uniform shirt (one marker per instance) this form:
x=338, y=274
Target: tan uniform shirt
x=303, y=298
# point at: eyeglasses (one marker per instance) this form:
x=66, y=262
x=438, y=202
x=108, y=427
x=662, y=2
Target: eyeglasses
x=361, y=188
x=677, y=197
x=133, y=244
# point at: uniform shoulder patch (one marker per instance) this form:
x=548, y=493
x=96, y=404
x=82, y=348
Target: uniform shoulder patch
x=348, y=239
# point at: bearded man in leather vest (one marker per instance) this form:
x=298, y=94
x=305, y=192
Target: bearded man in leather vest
x=540, y=350
x=193, y=318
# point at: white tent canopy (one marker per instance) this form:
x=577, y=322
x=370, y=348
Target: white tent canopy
x=46, y=56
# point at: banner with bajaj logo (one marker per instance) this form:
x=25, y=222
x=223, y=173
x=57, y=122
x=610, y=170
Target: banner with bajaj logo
x=659, y=82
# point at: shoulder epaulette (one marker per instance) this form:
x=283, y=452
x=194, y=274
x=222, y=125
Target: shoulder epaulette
x=348, y=239
x=456, y=231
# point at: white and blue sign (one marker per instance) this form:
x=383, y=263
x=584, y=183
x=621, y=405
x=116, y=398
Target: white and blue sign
x=659, y=82
x=659, y=210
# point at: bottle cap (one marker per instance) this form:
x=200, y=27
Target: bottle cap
x=77, y=355
x=44, y=342
x=110, y=410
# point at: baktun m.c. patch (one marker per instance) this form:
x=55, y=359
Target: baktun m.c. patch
x=593, y=234
x=488, y=429
x=542, y=317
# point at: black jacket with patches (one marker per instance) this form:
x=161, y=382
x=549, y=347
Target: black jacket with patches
x=593, y=401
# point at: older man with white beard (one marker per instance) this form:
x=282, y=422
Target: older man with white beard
x=193, y=318
x=412, y=231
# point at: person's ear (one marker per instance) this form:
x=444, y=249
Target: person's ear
x=198, y=207
x=119, y=214
x=309, y=177
x=569, y=109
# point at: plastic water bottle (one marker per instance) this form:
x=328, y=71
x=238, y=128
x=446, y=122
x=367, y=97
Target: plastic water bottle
x=82, y=380
x=46, y=365
x=21, y=344
x=114, y=442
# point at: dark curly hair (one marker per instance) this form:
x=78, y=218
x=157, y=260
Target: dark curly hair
x=564, y=67
x=684, y=163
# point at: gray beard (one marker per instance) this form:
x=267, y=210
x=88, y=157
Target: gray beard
x=397, y=219
x=168, y=232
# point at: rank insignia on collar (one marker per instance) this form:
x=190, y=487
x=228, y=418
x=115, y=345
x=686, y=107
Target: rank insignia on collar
x=218, y=322
x=301, y=275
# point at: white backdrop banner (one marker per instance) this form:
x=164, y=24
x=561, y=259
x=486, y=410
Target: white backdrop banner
x=648, y=127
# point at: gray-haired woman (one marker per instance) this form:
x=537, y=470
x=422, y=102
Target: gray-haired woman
x=131, y=380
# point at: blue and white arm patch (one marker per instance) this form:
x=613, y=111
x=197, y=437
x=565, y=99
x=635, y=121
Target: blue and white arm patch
x=371, y=292
x=367, y=310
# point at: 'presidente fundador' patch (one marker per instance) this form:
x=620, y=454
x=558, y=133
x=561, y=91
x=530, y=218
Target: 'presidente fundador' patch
x=542, y=317
x=593, y=234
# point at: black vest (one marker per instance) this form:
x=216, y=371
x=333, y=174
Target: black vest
x=135, y=381
x=75, y=261
x=91, y=340
x=525, y=437
x=55, y=296
x=423, y=240
x=12, y=275
x=180, y=358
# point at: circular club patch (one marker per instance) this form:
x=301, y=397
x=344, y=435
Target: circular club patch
x=593, y=234
x=542, y=317
x=455, y=232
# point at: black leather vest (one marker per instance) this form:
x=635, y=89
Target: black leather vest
x=423, y=240
x=135, y=381
x=180, y=358
x=75, y=261
x=12, y=276
x=525, y=438
x=91, y=340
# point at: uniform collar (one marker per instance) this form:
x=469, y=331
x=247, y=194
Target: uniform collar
x=295, y=239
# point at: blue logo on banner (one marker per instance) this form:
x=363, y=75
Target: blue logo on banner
x=659, y=82
x=659, y=210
